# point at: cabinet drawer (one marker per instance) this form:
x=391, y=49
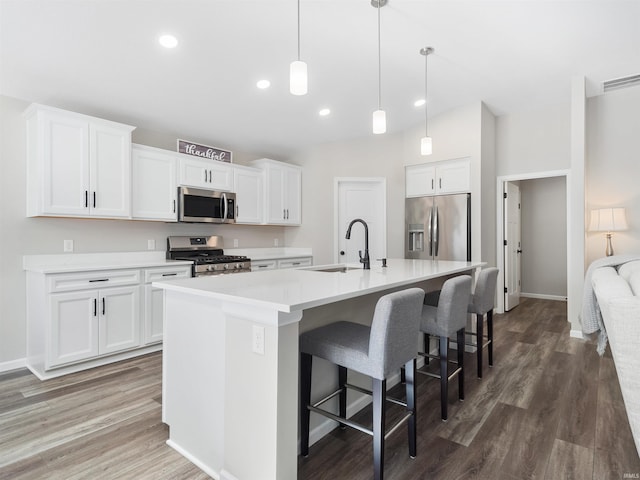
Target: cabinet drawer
x=257, y=265
x=295, y=262
x=67, y=282
x=166, y=273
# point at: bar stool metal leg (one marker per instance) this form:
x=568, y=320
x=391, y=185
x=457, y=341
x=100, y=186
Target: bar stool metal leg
x=410, y=369
x=479, y=341
x=305, y=399
x=379, y=391
x=461, y=344
x=444, y=376
x=490, y=334
x=342, y=380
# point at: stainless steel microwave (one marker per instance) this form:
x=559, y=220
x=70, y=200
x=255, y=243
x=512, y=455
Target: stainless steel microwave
x=197, y=205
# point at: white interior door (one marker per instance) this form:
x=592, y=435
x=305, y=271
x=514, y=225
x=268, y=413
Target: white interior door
x=363, y=198
x=512, y=247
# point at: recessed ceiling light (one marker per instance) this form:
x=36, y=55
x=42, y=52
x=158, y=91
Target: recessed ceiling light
x=262, y=84
x=324, y=112
x=419, y=103
x=168, y=41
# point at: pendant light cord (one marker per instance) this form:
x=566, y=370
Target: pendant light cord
x=298, y=30
x=426, y=116
x=379, y=62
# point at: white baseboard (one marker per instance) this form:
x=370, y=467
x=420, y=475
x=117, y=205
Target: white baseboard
x=541, y=296
x=13, y=365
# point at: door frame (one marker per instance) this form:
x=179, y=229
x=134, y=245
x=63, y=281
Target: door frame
x=501, y=180
x=382, y=182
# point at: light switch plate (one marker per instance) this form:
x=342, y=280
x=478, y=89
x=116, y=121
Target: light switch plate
x=151, y=244
x=68, y=246
x=257, y=340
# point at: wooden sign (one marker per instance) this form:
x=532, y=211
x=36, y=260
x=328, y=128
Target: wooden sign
x=204, y=151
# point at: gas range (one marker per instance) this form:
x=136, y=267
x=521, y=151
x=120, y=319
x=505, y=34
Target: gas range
x=207, y=255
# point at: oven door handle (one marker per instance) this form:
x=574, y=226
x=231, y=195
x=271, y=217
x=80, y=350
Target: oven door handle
x=226, y=206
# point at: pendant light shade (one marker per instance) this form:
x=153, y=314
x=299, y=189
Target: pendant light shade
x=298, y=69
x=379, y=121
x=426, y=145
x=379, y=116
x=298, y=78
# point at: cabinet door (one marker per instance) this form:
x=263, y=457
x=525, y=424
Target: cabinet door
x=74, y=327
x=205, y=174
x=65, y=176
x=453, y=177
x=248, y=186
x=275, y=195
x=293, y=181
x=119, y=312
x=110, y=169
x=295, y=262
x=419, y=180
x=154, y=186
x=153, y=314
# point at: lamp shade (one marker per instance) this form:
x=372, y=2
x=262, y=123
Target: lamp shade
x=379, y=122
x=608, y=220
x=298, y=78
x=426, y=146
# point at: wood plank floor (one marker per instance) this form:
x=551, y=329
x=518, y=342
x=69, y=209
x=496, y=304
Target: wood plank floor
x=550, y=408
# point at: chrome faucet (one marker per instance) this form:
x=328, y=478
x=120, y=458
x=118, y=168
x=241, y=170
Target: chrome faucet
x=363, y=259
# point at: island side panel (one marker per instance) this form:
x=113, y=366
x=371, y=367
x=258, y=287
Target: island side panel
x=261, y=395
x=194, y=379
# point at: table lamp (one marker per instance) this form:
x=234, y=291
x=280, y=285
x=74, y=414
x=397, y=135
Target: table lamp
x=608, y=220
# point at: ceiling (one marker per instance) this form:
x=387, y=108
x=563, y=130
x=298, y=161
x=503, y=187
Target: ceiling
x=102, y=57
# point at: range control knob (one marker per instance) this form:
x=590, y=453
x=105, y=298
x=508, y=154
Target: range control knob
x=211, y=268
x=226, y=266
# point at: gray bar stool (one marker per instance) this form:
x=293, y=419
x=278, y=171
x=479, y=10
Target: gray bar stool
x=481, y=303
x=443, y=321
x=375, y=351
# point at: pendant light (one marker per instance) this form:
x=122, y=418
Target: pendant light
x=298, y=69
x=379, y=116
x=426, y=145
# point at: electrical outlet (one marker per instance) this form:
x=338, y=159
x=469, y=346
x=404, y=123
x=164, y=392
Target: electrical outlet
x=257, y=341
x=235, y=243
x=275, y=242
x=151, y=244
x=68, y=246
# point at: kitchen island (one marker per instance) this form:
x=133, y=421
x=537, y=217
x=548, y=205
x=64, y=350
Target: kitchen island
x=230, y=358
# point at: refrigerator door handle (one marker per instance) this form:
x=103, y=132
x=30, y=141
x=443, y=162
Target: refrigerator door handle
x=430, y=232
x=436, y=232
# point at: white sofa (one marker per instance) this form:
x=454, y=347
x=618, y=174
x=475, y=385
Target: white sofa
x=617, y=290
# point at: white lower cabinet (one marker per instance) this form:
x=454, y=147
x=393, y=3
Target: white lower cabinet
x=153, y=300
x=90, y=323
x=79, y=320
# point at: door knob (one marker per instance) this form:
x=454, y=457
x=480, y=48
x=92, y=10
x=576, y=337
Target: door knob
x=518, y=251
x=341, y=252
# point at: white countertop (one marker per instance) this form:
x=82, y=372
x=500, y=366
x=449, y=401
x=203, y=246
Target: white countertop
x=297, y=289
x=81, y=262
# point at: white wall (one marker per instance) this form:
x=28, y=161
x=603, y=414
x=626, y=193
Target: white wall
x=20, y=235
x=455, y=134
x=613, y=165
x=544, y=236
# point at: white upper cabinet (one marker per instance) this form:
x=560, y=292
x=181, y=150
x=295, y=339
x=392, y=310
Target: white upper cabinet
x=438, y=178
x=77, y=165
x=248, y=184
x=210, y=174
x=283, y=192
x=154, y=184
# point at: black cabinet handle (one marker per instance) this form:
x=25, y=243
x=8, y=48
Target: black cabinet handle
x=95, y=307
x=169, y=274
x=94, y=199
x=103, y=305
x=99, y=280
x=174, y=206
x=341, y=252
x=210, y=177
x=86, y=198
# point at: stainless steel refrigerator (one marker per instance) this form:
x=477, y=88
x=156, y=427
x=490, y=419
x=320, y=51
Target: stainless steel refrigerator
x=438, y=227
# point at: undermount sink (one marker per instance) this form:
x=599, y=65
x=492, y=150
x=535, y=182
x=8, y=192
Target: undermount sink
x=339, y=268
